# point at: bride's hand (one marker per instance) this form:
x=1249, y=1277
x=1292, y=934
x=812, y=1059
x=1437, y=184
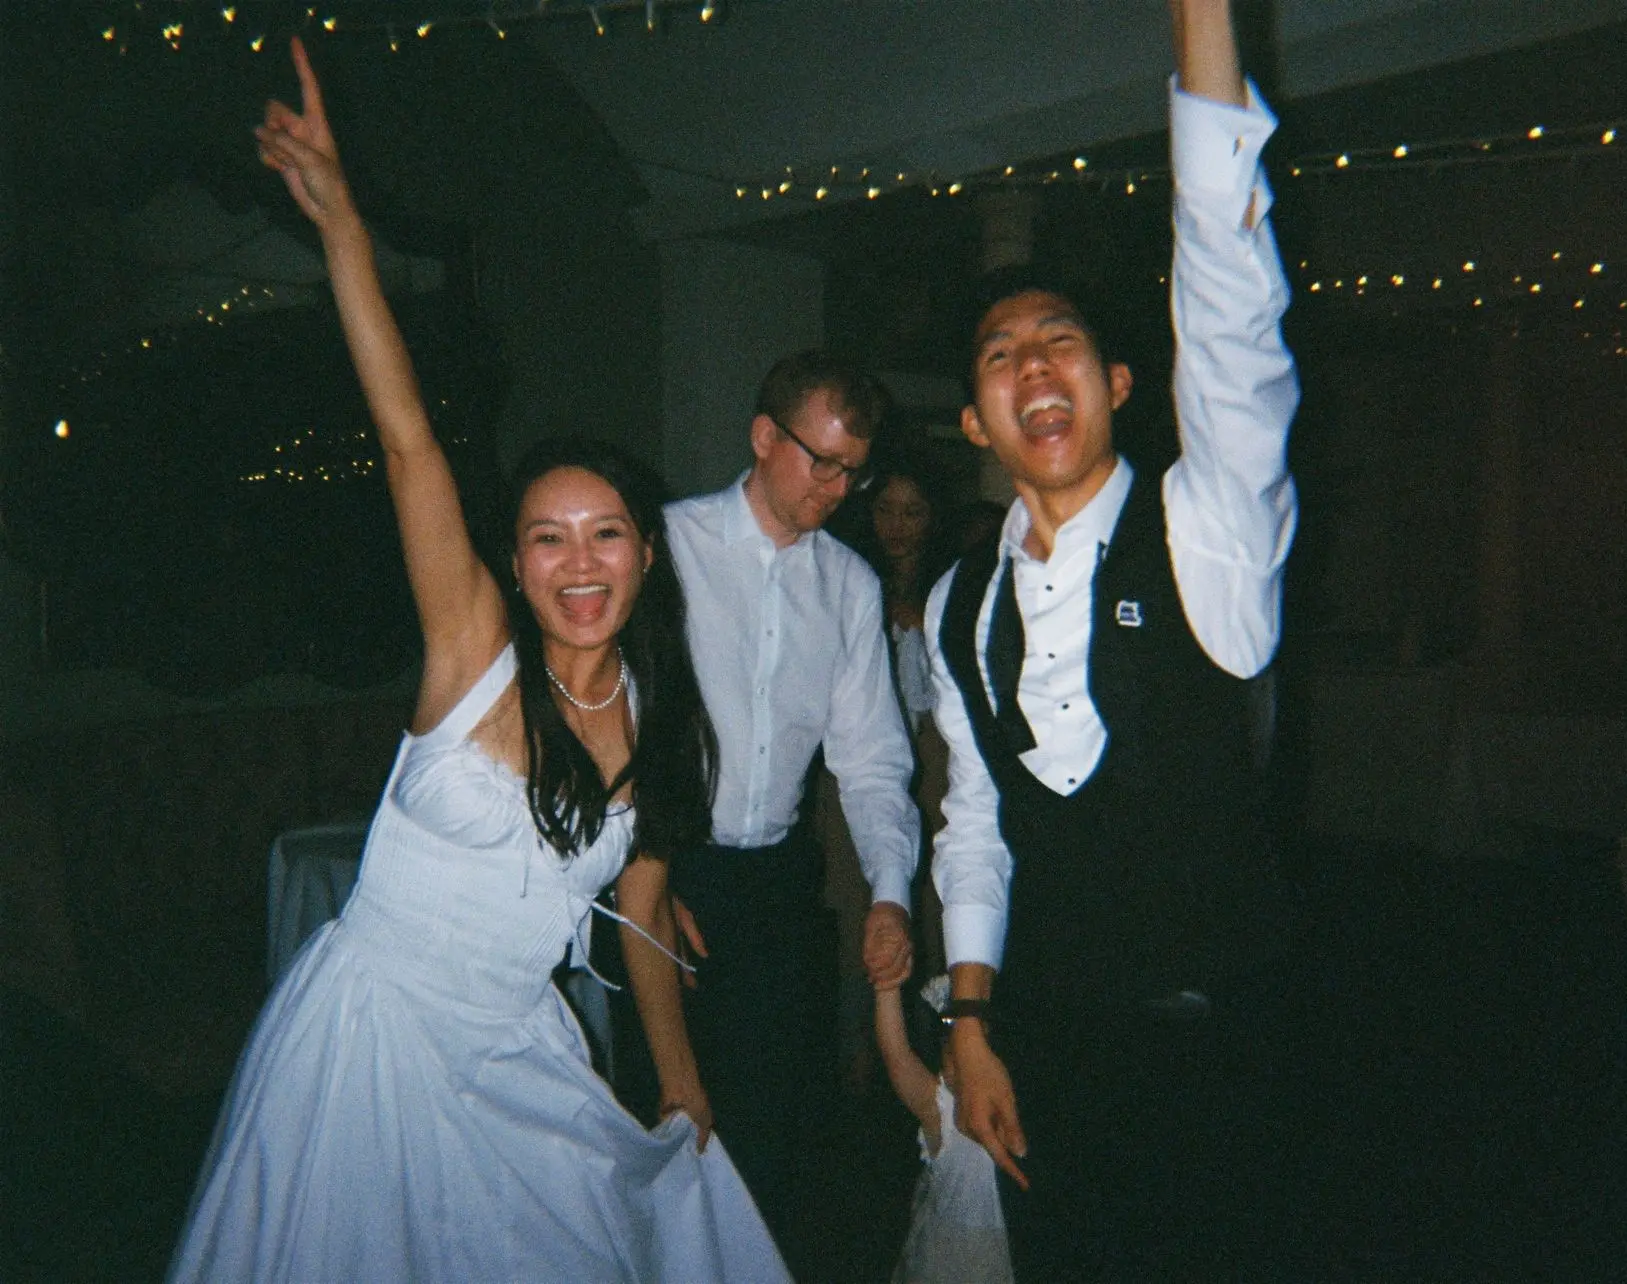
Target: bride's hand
x=691, y=1098
x=300, y=147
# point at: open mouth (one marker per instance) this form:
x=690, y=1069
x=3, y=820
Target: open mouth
x=584, y=602
x=1048, y=413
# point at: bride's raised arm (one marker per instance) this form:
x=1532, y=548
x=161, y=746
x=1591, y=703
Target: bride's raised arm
x=459, y=605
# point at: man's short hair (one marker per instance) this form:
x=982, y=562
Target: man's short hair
x=1008, y=282
x=860, y=399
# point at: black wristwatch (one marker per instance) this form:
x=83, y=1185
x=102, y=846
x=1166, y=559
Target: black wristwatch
x=982, y=1009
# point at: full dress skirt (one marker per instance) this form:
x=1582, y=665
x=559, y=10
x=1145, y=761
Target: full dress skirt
x=417, y=1101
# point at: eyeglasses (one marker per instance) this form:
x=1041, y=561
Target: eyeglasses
x=827, y=468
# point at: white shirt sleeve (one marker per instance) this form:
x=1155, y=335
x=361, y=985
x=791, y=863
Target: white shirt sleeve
x=971, y=865
x=1230, y=502
x=868, y=750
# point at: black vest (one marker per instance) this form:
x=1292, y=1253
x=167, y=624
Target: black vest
x=1154, y=875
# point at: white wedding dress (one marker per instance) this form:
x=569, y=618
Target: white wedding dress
x=416, y=1100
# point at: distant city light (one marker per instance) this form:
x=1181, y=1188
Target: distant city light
x=61, y=429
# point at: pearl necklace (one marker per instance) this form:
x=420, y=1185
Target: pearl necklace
x=621, y=681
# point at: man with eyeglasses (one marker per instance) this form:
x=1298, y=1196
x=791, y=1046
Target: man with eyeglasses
x=786, y=627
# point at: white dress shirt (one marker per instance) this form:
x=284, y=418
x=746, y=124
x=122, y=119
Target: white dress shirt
x=788, y=648
x=912, y=669
x=1229, y=503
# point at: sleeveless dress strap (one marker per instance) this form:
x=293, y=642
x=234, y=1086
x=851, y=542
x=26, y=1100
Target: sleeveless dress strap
x=477, y=700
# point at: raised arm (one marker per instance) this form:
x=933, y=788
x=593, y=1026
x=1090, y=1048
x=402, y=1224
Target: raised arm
x=459, y=605
x=1206, y=59
x=1229, y=497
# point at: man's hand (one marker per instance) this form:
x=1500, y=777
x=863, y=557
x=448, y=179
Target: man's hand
x=985, y=1106
x=889, y=953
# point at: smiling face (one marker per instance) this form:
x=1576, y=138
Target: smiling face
x=579, y=558
x=1043, y=399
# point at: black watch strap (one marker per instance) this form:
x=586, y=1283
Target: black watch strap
x=982, y=1009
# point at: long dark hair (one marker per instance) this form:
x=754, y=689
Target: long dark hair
x=937, y=552
x=673, y=767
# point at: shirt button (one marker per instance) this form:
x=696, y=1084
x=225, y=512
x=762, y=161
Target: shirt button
x=1071, y=780
x=762, y=749
x=1064, y=706
x=1050, y=588
x=1050, y=655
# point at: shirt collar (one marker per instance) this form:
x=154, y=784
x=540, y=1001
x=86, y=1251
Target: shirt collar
x=1092, y=525
x=740, y=523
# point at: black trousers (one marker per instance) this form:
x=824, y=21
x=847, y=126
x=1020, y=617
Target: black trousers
x=762, y=1015
x=1154, y=1141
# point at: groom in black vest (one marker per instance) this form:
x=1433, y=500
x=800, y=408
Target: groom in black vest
x=1104, y=851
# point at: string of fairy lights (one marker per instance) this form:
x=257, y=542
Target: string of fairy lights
x=178, y=23
x=1583, y=293
x=330, y=453
x=1489, y=288
x=1538, y=143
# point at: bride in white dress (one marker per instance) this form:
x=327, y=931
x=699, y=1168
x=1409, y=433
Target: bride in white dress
x=416, y=1101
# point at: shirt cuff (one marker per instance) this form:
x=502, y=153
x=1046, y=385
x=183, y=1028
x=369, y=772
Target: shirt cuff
x=1215, y=151
x=974, y=934
x=893, y=884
